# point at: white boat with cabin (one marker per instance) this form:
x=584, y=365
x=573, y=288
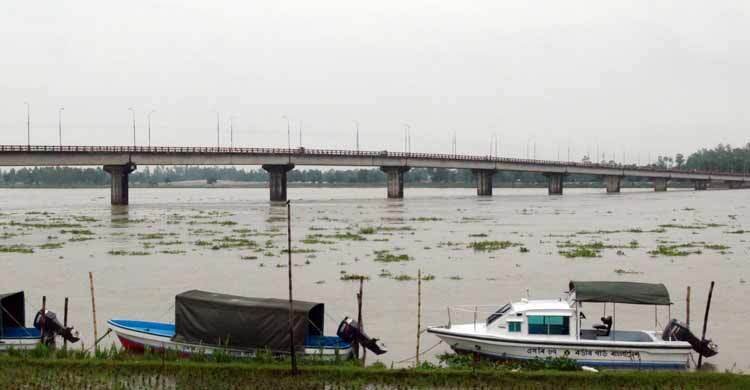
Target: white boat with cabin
x=531, y=329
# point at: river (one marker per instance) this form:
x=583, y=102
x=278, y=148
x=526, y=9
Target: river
x=230, y=240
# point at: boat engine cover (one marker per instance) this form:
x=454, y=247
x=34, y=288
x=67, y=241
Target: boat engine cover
x=676, y=330
x=350, y=331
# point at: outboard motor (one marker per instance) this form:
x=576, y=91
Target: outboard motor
x=676, y=330
x=53, y=327
x=350, y=332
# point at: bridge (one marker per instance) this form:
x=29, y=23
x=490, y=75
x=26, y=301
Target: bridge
x=121, y=161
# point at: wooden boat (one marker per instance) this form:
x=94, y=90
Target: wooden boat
x=209, y=323
x=15, y=335
x=13, y=332
x=531, y=329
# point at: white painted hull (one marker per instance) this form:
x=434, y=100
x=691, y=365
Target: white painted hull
x=585, y=352
x=19, y=344
x=139, y=341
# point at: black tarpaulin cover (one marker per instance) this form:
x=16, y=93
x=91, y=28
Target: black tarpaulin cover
x=621, y=292
x=203, y=317
x=13, y=311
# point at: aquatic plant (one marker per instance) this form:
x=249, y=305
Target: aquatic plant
x=16, y=249
x=52, y=245
x=387, y=257
x=580, y=251
x=491, y=245
x=350, y=277
x=368, y=230
x=78, y=232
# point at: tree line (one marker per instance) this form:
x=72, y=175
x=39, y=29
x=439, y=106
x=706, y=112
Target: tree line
x=723, y=158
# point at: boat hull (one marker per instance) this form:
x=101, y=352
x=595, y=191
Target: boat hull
x=20, y=339
x=138, y=341
x=626, y=355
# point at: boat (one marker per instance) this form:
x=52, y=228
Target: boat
x=209, y=323
x=552, y=328
x=15, y=335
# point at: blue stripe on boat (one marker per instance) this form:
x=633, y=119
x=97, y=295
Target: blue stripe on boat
x=21, y=333
x=168, y=330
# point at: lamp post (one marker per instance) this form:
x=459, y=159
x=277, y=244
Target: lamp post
x=28, y=124
x=356, y=126
x=288, y=132
x=149, y=126
x=407, y=138
x=133, y=112
x=231, y=131
x=218, y=132
x=59, y=124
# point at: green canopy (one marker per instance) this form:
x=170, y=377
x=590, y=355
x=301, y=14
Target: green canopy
x=621, y=292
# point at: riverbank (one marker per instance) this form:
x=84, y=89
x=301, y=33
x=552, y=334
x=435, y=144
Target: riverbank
x=42, y=373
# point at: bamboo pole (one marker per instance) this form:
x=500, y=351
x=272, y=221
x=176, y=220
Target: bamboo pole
x=359, y=317
x=43, y=318
x=291, y=304
x=65, y=322
x=93, y=308
x=687, y=307
x=419, y=310
x=705, y=321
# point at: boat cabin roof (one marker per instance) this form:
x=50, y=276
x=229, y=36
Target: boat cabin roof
x=620, y=292
x=541, y=305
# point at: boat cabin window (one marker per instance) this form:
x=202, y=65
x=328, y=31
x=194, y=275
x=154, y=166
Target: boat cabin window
x=499, y=313
x=551, y=325
x=514, y=326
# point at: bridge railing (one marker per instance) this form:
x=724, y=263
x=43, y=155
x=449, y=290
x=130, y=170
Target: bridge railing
x=340, y=153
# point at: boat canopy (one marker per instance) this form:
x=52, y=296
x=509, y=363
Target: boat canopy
x=621, y=292
x=12, y=311
x=203, y=317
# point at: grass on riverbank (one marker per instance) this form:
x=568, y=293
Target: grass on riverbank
x=155, y=373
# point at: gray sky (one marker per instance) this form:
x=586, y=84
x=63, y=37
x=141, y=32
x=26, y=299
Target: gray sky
x=635, y=77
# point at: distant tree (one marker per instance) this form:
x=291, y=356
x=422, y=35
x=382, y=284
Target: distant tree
x=679, y=159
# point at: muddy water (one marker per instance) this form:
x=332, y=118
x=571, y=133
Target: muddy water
x=432, y=226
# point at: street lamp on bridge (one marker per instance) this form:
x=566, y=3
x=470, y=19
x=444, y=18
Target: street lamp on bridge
x=133, y=111
x=288, y=132
x=59, y=124
x=356, y=126
x=149, y=126
x=28, y=124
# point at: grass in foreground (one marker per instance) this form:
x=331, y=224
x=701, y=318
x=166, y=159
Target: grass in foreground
x=162, y=371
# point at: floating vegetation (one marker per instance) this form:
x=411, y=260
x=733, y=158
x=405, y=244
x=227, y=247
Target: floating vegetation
x=478, y=235
x=52, y=245
x=395, y=228
x=125, y=221
x=80, y=238
x=249, y=257
x=523, y=249
x=121, y=252
x=384, y=273
x=455, y=277
x=491, y=245
x=426, y=219
x=78, y=232
x=348, y=236
x=581, y=251
x=316, y=239
x=387, y=257
x=403, y=278
x=718, y=247
x=6, y=235
x=738, y=231
x=350, y=277
x=16, y=249
x=153, y=236
x=84, y=218
x=299, y=250
x=368, y=230
x=173, y=252
x=691, y=227
x=275, y=219
x=620, y=271
x=54, y=225
x=672, y=250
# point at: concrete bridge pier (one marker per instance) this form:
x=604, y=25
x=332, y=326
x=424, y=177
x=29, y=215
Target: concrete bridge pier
x=554, y=183
x=119, y=186
x=483, y=178
x=660, y=184
x=700, y=185
x=277, y=181
x=395, y=181
x=613, y=184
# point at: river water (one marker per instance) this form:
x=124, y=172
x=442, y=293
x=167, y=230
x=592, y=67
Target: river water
x=171, y=240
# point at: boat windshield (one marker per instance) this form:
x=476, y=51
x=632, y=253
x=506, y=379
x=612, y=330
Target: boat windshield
x=499, y=313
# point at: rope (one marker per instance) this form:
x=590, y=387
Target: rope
x=421, y=353
x=16, y=321
x=171, y=307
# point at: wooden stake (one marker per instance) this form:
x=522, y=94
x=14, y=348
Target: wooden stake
x=43, y=317
x=687, y=308
x=359, y=318
x=65, y=322
x=93, y=308
x=419, y=310
x=705, y=321
x=291, y=304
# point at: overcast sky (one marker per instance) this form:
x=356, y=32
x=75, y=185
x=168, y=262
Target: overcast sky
x=634, y=77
